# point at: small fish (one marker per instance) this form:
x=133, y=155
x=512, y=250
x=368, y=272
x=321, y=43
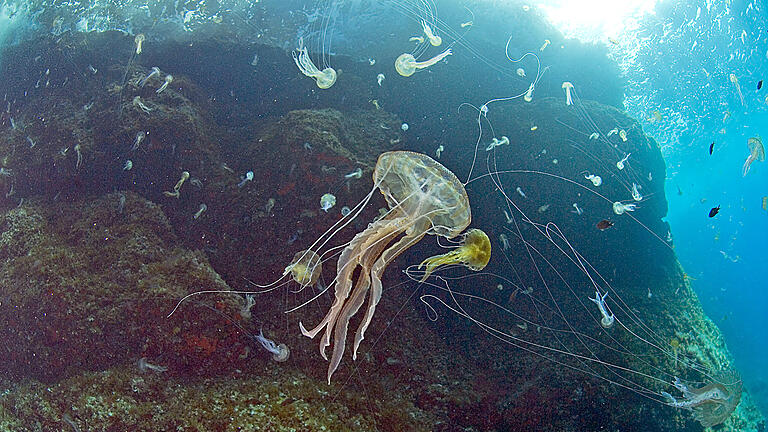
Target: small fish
x=604, y=224
x=714, y=211
x=760, y=84
x=711, y=148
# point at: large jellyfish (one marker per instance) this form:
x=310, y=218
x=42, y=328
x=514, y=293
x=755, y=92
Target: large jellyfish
x=756, y=153
x=424, y=198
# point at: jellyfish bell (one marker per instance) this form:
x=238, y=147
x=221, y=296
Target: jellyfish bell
x=423, y=198
x=474, y=253
x=305, y=268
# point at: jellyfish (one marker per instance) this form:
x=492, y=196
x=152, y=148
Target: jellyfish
x=324, y=79
x=305, y=268
x=406, y=64
x=619, y=208
x=520, y=72
x=620, y=164
x=567, y=86
x=434, y=40
x=756, y=153
x=735, y=82
x=713, y=403
x=474, y=253
x=424, y=198
x=139, y=40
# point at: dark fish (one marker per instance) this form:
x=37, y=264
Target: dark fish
x=711, y=147
x=604, y=224
x=714, y=211
x=760, y=84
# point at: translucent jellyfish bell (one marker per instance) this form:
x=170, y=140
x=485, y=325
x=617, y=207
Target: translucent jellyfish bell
x=406, y=64
x=324, y=79
x=305, y=268
x=424, y=198
x=474, y=253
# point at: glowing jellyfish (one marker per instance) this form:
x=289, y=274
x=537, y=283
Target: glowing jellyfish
x=325, y=78
x=139, y=41
x=520, y=72
x=406, y=64
x=756, y=153
x=474, y=253
x=305, y=268
x=595, y=179
x=567, y=86
x=619, y=208
x=424, y=198
x=434, y=40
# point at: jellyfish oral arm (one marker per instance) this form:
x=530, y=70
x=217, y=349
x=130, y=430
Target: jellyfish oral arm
x=608, y=317
x=745, y=169
x=433, y=60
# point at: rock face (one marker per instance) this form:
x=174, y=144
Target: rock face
x=94, y=257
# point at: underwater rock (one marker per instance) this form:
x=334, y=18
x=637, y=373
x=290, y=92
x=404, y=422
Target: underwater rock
x=87, y=285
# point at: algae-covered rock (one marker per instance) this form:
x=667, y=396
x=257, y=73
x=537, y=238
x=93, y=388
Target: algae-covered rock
x=88, y=284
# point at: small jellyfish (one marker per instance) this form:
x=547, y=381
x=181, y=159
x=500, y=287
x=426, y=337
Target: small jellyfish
x=327, y=201
x=345, y=211
x=497, y=142
x=404, y=127
x=305, y=268
x=595, y=179
x=577, y=209
x=545, y=45
x=594, y=135
x=520, y=72
x=200, y=211
x=619, y=208
x=380, y=78
x=623, y=135
x=439, y=151
x=520, y=191
x=620, y=164
x=137, y=141
x=139, y=40
x=357, y=173
x=636, y=195
x=735, y=82
x=543, y=208
x=406, y=64
x=168, y=80
x=434, y=40
x=613, y=132
x=567, y=86
x=474, y=253
x=155, y=71
x=529, y=94
x=128, y=165
x=324, y=79
x=246, y=178
x=504, y=241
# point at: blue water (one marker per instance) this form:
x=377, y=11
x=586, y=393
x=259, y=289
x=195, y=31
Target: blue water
x=683, y=71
